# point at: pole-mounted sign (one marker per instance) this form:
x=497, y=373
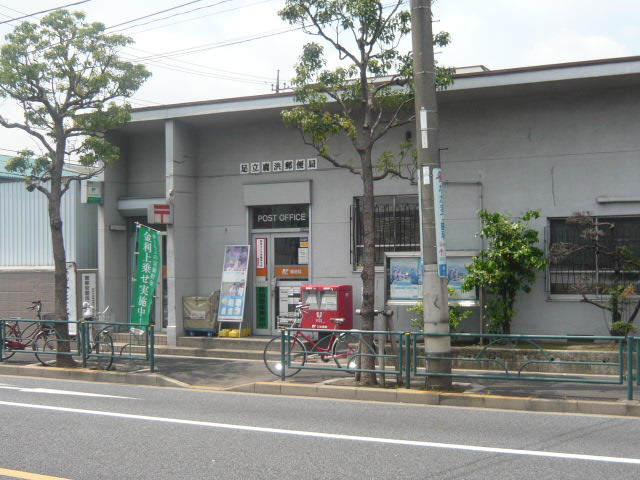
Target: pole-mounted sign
x=438, y=206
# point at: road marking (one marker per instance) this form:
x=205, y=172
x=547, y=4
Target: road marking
x=334, y=436
x=27, y=476
x=60, y=392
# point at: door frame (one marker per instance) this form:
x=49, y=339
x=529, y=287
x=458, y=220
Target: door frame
x=271, y=281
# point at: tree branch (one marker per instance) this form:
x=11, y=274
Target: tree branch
x=30, y=131
x=593, y=302
x=321, y=32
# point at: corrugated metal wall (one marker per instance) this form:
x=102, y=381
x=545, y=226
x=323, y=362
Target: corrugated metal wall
x=25, y=238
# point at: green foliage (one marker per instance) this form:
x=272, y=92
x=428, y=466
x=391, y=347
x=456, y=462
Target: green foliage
x=506, y=266
x=456, y=314
x=369, y=92
x=66, y=75
x=622, y=329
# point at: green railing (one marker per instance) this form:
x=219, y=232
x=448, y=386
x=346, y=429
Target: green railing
x=527, y=358
x=300, y=351
x=92, y=341
x=514, y=362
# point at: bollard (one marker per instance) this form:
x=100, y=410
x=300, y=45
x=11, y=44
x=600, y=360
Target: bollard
x=152, y=340
x=2, y=327
x=407, y=367
x=629, y=369
x=282, y=355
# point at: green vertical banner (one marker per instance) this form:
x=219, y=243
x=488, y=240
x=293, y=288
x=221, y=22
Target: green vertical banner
x=147, y=273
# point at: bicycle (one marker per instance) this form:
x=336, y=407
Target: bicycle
x=345, y=348
x=99, y=345
x=18, y=339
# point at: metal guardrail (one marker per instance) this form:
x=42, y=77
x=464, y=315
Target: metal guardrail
x=21, y=336
x=410, y=359
x=352, y=347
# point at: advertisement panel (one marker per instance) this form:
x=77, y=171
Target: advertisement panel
x=234, y=283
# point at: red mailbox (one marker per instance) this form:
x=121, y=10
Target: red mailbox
x=330, y=306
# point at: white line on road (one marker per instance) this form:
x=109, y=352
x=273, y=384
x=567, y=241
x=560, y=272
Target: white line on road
x=334, y=436
x=60, y=392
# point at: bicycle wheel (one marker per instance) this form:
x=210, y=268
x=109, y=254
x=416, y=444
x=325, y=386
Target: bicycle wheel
x=352, y=353
x=103, y=346
x=11, y=336
x=321, y=350
x=45, y=347
x=295, y=356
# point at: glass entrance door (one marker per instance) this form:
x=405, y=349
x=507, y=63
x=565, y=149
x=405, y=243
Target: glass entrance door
x=282, y=266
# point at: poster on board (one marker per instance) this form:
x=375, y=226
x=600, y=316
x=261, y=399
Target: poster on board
x=404, y=278
x=456, y=273
x=234, y=283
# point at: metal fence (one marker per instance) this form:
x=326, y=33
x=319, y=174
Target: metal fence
x=88, y=342
x=525, y=358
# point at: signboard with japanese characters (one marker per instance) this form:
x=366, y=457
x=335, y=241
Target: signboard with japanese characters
x=278, y=166
x=148, y=258
x=438, y=205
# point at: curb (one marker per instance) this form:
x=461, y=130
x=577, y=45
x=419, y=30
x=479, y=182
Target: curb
x=86, y=375
x=628, y=408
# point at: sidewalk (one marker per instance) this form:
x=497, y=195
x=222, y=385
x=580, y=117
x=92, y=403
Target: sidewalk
x=251, y=376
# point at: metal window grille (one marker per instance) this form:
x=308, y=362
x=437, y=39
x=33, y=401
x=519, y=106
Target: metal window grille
x=594, y=263
x=396, y=224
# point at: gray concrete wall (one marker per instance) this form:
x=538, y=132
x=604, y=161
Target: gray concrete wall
x=146, y=165
x=20, y=287
x=182, y=260
x=112, y=244
x=555, y=153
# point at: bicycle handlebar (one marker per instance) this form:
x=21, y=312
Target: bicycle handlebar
x=37, y=305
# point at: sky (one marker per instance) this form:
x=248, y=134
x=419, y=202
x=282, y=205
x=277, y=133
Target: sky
x=211, y=49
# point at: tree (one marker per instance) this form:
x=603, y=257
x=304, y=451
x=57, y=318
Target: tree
x=600, y=240
x=457, y=314
x=65, y=74
x=367, y=95
x=506, y=266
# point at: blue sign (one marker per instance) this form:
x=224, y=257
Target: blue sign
x=442, y=270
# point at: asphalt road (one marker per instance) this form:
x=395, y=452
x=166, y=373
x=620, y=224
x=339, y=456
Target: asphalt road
x=78, y=430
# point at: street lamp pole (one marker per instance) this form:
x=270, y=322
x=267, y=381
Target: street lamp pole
x=435, y=295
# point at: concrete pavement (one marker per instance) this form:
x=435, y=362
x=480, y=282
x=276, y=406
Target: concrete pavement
x=251, y=376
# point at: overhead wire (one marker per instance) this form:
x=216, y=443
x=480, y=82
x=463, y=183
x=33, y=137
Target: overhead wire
x=230, y=73
x=170, y=16
x=154, y=13
x=44, y=11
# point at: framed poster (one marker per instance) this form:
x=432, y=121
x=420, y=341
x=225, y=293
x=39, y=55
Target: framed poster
x=457, y=263
x=403, y=277
x=234, y=283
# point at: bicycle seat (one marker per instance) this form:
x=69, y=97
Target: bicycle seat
x=338, y=321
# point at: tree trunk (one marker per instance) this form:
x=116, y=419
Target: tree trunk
x=368, y=270
x=59, y=260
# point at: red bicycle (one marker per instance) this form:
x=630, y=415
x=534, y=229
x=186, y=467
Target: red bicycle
x=34, y=335
x=345, y=348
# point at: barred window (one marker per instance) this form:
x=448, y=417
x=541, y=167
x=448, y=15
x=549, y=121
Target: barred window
x=593, y=254
x=397, y=226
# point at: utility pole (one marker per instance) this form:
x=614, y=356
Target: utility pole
x=435, y=294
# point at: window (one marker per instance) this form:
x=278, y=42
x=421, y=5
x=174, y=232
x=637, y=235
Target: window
x=591, y=254
x=397, y=226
